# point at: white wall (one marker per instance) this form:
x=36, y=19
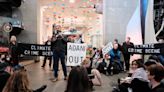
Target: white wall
x=28, y=10
x=117, y=14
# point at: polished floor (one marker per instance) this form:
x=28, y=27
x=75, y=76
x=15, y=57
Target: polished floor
x=39, y=76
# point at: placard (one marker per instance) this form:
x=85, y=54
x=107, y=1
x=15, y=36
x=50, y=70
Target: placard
x=107, y=48
x=76, y=53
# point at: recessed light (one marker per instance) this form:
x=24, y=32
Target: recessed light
x=72, y=1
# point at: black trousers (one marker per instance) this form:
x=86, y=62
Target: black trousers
x=50, y=61
x=127, y=61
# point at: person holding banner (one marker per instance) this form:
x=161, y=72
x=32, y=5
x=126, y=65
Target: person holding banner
x=48, y=42
x=59, y=50
x=127, y=44
x=14, y=53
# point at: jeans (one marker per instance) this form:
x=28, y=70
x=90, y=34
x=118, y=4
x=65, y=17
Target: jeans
x=56, y=56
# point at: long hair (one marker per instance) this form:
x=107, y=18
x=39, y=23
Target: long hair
x=139, y=63
x=78, y=80
x=18, y=82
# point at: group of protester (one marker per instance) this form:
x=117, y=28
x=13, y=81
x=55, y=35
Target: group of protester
x=144, y=77
x=82, y=78
x=13, y=76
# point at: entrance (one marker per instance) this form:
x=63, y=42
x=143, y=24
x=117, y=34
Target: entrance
x=73, y=17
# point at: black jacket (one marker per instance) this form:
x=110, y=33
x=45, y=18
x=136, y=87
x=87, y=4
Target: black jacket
x=159, y=88
x=59, y=45
x=4, y=76
x=138, y=85
x=125, y=47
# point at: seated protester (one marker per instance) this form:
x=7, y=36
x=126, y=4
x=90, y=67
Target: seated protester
x=18, y=82
x=155, y=75
x=138, y=85
x=5, y=72
x=78, y=80
x=1, y=58
x=5, y=58
x=138, y=78
x=97, y=80
x=140, y=71
x=154, y=57
x=152, y=62
x=104, y=65
x=87, y=64
x=132, y=69
x=115, y=56
x=96, y=59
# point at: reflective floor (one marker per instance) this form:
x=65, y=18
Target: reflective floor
x=39, y=76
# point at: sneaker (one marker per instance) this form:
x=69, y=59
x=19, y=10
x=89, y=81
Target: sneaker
x=54, y=80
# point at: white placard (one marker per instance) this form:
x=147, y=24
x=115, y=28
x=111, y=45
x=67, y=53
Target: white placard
x=76, y=53
x=107, y=48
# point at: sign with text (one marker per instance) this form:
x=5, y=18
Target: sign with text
x=35, y=49
x=76, y=53
x=157, y=48
x=107, y=48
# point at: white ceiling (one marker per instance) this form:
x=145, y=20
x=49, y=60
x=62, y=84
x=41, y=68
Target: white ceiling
x=81, y=13
x=77, y=3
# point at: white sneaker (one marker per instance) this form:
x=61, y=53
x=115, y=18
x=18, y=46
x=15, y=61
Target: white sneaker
x=54, y=80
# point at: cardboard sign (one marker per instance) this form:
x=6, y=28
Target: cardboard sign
x=76, y=53
x=107, y=48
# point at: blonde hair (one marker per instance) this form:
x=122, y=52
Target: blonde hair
x=18, y=82
x=13, y=38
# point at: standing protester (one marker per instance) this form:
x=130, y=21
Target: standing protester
x=48, y=42
x=14, y=51
x=78, y=39
x=127, y=44
x=59, y=50
x=161, y=56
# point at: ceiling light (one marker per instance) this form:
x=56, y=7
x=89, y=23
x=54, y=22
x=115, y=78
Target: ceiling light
x=72, y=1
